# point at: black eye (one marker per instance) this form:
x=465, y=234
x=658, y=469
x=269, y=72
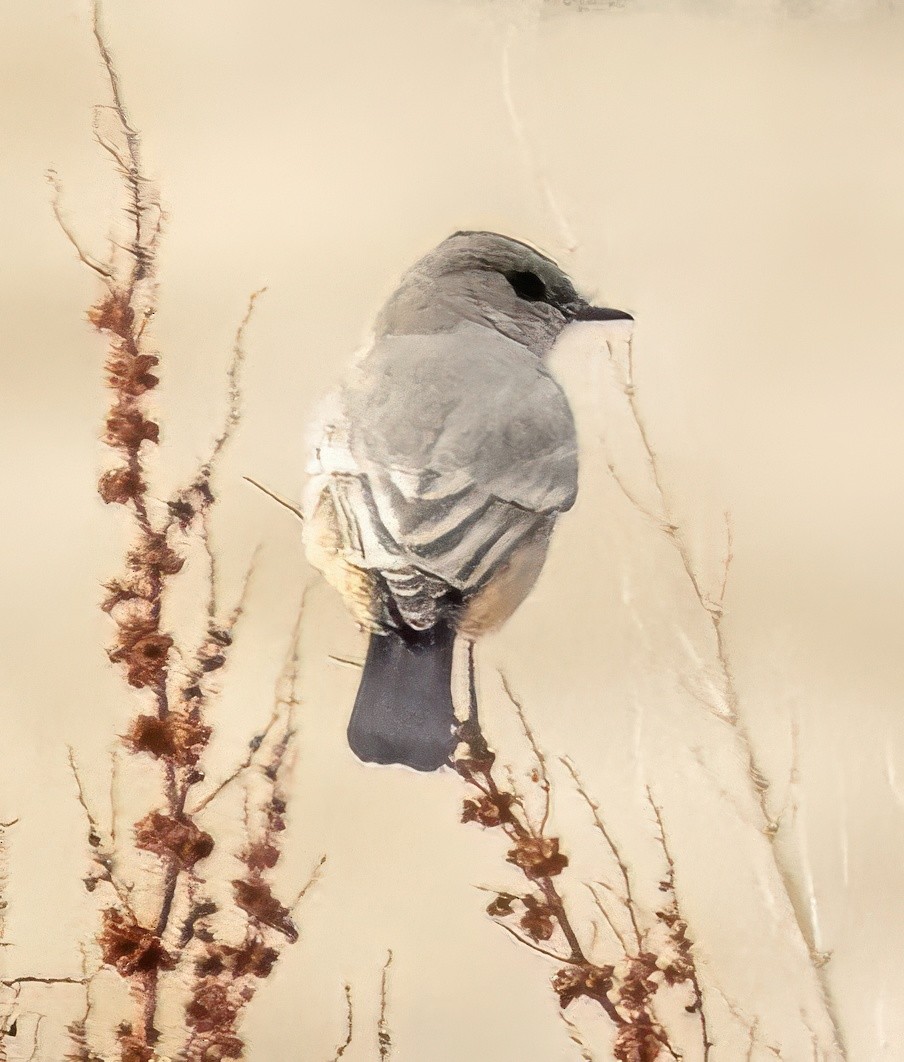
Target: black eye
x=527, y=285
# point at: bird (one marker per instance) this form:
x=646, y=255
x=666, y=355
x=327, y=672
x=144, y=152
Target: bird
x=440, y=469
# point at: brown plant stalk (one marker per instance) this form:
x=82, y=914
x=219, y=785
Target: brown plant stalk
x=643, y=963
x=170, y=929
x=712, y=606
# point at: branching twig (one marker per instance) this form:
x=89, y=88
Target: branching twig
x=309, y=884
x=278, y=498
x=686, y=966
x=349, y=1025
x=713, y=609
x=171, y=729
x=384, y=1037
x=103, y=271
x=627, y=899
x=535, y=748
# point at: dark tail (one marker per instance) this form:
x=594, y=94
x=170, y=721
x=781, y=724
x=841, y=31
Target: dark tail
x=403, y=712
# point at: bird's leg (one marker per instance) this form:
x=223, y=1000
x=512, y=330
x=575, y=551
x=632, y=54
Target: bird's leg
x=469, y=732
x=472, y=687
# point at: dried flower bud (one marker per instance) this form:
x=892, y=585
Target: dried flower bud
x=490, y=810
x=130, y=373
x=537, y=920
x=571, y=982
x=131, y=948
x=501, y=905
x=177, y=838
x=155, y=554
x=128, y=427
x=120, y=485
x=144, y=655
x=538, y=857
x=637, y=1042
x=114, y=314
x=261, y=856
x=256, y=898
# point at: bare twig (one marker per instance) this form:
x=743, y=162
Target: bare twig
x=29, y=980
x=104, y=860
x=601, y=907
x=253, y=747
x=36, y=1039
x=234, y=412
x=316, y=874
x=535, y=748
x=678, y=927
x=628, y=898
x=713, y=609
x=384, y=1037
x=349, y=1025
x=574, y=1034
x=536, y=947
x=357, y=664
x=276, y=497
x=103, y=271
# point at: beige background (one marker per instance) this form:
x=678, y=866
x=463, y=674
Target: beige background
x=732, y=175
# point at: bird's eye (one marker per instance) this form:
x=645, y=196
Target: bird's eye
x=527, y=285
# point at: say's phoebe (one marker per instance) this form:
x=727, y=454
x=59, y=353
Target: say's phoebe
x=439, y=477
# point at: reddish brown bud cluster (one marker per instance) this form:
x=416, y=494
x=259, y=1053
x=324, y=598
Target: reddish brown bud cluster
x=120, y=485
x=538, y=857
x=637, y=1042
x=179, y=736
x=114, y=314
x=537, y=920
x=493, y=809
x=254, y=958
x=681, y=968
x=501, y=905
x=212, y=1013
x=154, y=555
x=594, y=982
x=255, y=897
x=131, y=948
x=143, y=650
x=638, y=985
x=129, y=374
x=175, y=838
x=127, y=427
x=133, y=1048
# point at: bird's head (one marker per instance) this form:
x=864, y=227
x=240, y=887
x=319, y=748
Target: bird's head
x=493, y=281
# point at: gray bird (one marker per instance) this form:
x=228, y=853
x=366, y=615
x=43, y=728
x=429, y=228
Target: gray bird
x=447, y=457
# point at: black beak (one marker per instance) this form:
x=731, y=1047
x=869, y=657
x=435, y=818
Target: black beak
x=586, y=312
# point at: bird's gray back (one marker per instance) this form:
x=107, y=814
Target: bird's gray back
x=465, y=447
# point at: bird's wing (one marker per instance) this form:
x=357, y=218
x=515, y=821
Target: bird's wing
x=461, y=446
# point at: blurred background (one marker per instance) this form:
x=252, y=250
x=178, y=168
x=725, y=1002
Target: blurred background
x=731, y=174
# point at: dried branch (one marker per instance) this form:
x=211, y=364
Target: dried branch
x=309, y=884
x=684, y=969
x=535, y=748
x=349, y=1025
x=627, y=898
x=171, y=728
x=712, y=607
x=234, y=413
x=278, y=498
x=624, y=997
x=384, y=1037
x=4, y=826
x=36, y=1039
x=104, y=857
x=103, y=271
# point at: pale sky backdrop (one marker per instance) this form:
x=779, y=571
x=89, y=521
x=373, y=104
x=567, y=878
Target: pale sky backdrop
x=730, y=173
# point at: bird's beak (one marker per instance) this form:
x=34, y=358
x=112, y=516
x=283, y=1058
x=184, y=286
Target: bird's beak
x=585, y=312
